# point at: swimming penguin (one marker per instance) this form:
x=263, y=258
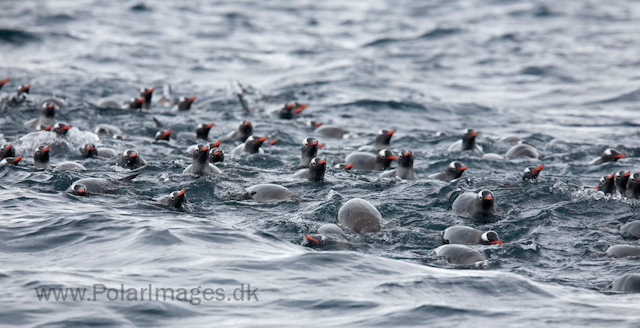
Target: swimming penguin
x=522, y=150
x=3, y=82
x=19, y=97
x=107, y=130
x=184, y=103
x=175, y=199
x=369, y=162
x=607, y=185
x=89, y=151
x=41, y=161
x=532, y=172
x=130, y=159
x=250, y=146
x=631, y=229
x=327, y=130
x=404, y=170
x=55, y=101
x=468, y=142
x=633, y=186
x=10, y=161
x=89, y=186
x=61, y=128
x=308, y=151
x=216, y=155
x=328, y=235
x=460, y=254
x=201, y=162
x=360, y=216
x=134, y=103
x=315, y=171
x=163, y=135
x=202, y=132
x=194, y=148
x=7, y=150
x=288, y=110
x=46, y=117
x=620, y=179
x=453, y=172
x=623, y=251
x=608, y=155
x=467, y=235
x=472, y=203
x=628, y=283
x=269, y=192
x=383, y=141
x=243, y=132
x=146, y=94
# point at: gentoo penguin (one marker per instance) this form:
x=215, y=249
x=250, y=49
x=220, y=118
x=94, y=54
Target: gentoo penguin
x=315, y=171
x=107, y=130
x=61, y=128
x=146, y=94
x=631, y=229
x=184, y=103
x=468, y=142
x=360, y=216
x=134, y=103
x=41, y=161
x=522, y=150
x=19, y=97
x=327, y=130
x=7, y=150
x=169, y=100
x=607, y=185
x=472, y=203
x=620, y=179
x=46, y=117
x=89, y=186
x=308, y=151
x=130, y=159
x=633, y=186
x=383, y=141
x=175, y=199
x=194, y=149
x=328, y=235
x=404, y=170
x=627, y=283
x=608, y=155
x=89, y=151
x=623, y=251
x=55, y=101
x=532, y=172
x=243, y=132
x=201, y=162
x=369, y=162
x=202, y=132
x=216, y=155
x=288, y=110
x=453, y=172
x=3, y=82
x=460, y=254
x=250, y=146
x=163, y=135
x=467, y=235
x=268, y=192
x=10, y=161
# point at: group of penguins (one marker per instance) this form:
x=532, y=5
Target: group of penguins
x=357, y=214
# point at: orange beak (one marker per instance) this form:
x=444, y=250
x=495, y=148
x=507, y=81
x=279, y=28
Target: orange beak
x=140, y=101
x=407, y=154
x=309, y=238
x=390, y=133
x=209, y=126
x=619, y=156
x=273, y=142
x=150, y=90
x=51, y=106
x=315, y=143
x=247, y=123
x=48, y=128
x=321, y=146
x=17, y=159
x=134, y=155
x=66, y=127
x=216, y=144
x=488, y=198
x=46, y=148
x=217, y=153
x=626, y=174
x=392, y=157
x=91, y=148
x=205, y=148
x=81, y=191
x=192, y=99
x=474, y=134
x=463, y=168
x=612, y=175
x=263, y=139
x=348, y=166
x=166, y=133
x=9, y=146
x=318, y=125
x=181, y=192
x=539, y=168
x=300, y=108
x=497, y=242
x=25, y=88
x=3, y=82
x=323, y=161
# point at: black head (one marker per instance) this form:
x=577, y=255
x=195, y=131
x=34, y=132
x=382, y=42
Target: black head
x=491, y=238
x=130, y=157
x=288, y=110
x=177, y=198
x=202, y=152
x=405, y=159
x=89, y=150
x=607, y=184
x=314, y=240
x=163, y=135
x=385, y=157
x=23, y=89
x=61, y=128
x=41, y=154
x=486, y=199
x=184, y=103
x=245, y=128
x=383, y=137
x=216, y=155
x=202, y=131
x=609, y=155
x=532, y=172
x=253, y=143
x=314, y=124
x=620, y=179
x=456, y=169
x=136, y=103
x=7, y=150
x=309, y=147
x=48, y=109
x=469, y=139
x=78, y=189
x=317, y=168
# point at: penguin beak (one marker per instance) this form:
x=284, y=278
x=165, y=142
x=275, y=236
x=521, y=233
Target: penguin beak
x=320, y=146
x=626, y=174
x=25, y=88
x=390, y=133
x=463, y=168
x=9, y=146
x=473, y=134
x=300, y=108
x=539, y=168
x=217, y=153
x=66, y=127
x=497, y=242
x=262, y=139
x=133, y=155
x=348, y=166
x=181, y=192
x=216, y=144
x=166, y=133
x=46, y=149
x=247, y=124
x=81, y=191
x=3, y=82
x=208, y=126
x=315, y=143
x=192, y=99
x=309, y=238
x=16, y=160
x=407, y=154
x=91, y=148
x=273, y=142
x=392, y=157
x=619, y=156
x=612, y=175
x=488, y=198
x=318, y=125
x=150, y=90
x=205, y=148
x=323, y=161
x=140, y=101
x=48, y=128
x=51, y=106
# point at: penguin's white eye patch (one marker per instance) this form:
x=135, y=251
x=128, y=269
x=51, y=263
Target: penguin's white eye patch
x=480, y=194
x=527, y=170
x=607, y=152
x=380, y=132
x=485, y=237
x=452, y=165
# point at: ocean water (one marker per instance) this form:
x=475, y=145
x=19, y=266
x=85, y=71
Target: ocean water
x=538, y=70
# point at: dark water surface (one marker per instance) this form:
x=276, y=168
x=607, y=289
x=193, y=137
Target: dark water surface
x=534, y=69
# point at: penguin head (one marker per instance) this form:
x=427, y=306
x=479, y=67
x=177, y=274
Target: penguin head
x=7, y=150
x=491, y=238
x=314, y=240
x=532, y=172
x=309, y=147
x=23, y=89
x=202, y=131
x=294, y=107
x=246, y=128
x=216, y=155
x=12, y=160
x=184, y=103
x=163, y=135
x=89, y=150
x=146, y=93
x=605, y=183
x=136, y=103
x=385, y=157
x=609, y=155
x=317, y=168
x=130, y=156
x=177, y=198
x=456, y=169
x=253, y=143
x=202, y=152
x=633, y=180
x=41, y=154
x=61, y=128
x=100, y=130
x=313, y=124
x=469, y=135
x=621, y=177
x=78, y=189
x=486, y=198
x=383, y=137
x=405, y=159
x=48, y=109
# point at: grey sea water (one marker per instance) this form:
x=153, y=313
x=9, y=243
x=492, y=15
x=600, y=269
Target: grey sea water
x=538, y=70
